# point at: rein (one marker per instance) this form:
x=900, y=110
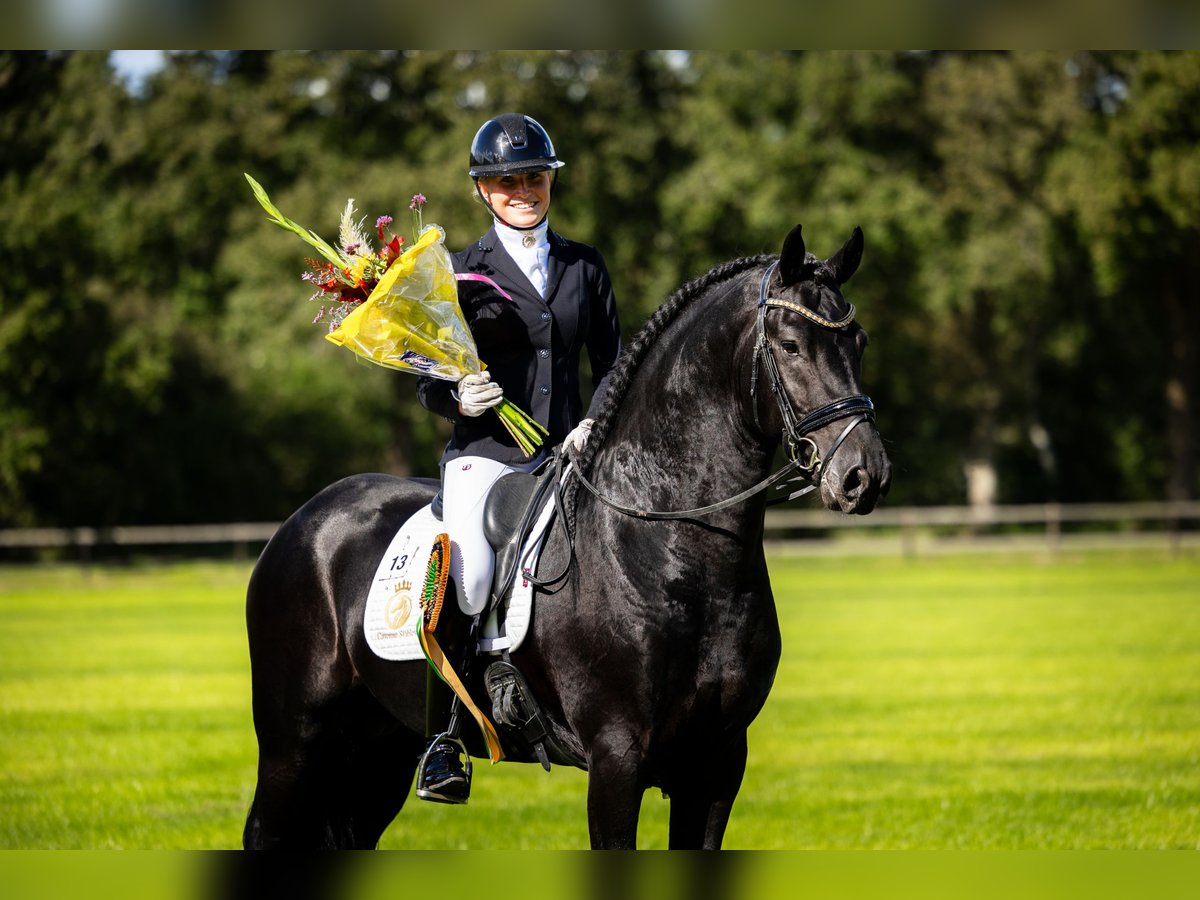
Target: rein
x=803, y=454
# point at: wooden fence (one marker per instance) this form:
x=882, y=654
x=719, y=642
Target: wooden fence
x=900, y=530
x=954, y=529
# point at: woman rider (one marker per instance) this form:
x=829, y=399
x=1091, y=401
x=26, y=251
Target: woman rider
x=561, y=302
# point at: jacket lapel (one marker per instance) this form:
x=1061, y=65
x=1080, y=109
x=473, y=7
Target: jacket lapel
x=555, y=265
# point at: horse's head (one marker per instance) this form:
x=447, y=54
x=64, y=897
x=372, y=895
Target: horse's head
x=805, y=384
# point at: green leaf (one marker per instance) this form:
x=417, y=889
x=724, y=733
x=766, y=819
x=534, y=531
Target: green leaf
x=287, y=224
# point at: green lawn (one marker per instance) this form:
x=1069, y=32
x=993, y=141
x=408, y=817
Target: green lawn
x=983, y=702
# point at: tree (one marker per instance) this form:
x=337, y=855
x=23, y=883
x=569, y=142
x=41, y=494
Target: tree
x=1029, y=223
x=1130, y=183
x=998, y=120
x=829, y=140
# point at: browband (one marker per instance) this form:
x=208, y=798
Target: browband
x=765, y=300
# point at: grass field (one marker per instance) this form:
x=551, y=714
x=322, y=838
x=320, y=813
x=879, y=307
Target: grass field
x=988, y=702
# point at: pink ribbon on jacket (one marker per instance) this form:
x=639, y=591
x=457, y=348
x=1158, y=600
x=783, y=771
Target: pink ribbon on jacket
x=472, y=276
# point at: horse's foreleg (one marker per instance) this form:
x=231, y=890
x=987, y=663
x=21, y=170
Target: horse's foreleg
x=702, y=797
x=615, y=791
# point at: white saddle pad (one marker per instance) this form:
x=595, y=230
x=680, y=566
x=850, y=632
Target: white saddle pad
x=393, y=608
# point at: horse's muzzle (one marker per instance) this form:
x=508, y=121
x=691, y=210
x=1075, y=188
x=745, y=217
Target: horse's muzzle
x=858, y=476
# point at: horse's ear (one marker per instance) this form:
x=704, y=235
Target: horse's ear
x=791, y=258
x=845, y=262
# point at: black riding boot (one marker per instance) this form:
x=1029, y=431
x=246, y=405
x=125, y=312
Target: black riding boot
x=444, y=774
x=441, y=775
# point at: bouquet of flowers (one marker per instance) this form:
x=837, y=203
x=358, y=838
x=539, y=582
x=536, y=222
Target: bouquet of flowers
x=398, y=309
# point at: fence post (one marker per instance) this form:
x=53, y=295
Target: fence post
x=84, y=540
x=908, y=533
x=1053, y=527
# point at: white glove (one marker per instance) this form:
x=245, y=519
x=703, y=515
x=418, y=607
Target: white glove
x=574, y=442
x=477, y=394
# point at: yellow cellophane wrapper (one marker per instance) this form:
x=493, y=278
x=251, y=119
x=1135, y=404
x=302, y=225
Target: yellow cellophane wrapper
x=412, y=320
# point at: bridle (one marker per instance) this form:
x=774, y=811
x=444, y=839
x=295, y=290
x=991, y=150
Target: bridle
x=799, y=447
x=805, y=461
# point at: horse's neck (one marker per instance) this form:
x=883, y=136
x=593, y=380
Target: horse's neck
x=677, y=442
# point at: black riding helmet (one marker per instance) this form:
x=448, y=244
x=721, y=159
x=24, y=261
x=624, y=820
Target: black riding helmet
x=511, y=144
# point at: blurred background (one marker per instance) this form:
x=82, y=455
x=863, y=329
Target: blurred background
x=1030, y=283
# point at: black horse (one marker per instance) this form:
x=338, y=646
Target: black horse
x=657, y=651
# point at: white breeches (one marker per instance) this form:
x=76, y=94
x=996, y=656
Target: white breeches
x=465, y=485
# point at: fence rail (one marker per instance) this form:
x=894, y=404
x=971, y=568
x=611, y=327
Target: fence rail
x=987, y=516
x=240, y=536
x=917, y=530
x=906, y=530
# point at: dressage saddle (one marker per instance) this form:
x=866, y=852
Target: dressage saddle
x=512, y=508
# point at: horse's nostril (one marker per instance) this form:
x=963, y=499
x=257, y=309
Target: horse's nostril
x=855, y=481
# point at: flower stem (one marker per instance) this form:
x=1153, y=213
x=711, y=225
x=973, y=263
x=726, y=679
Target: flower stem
x=526, y=431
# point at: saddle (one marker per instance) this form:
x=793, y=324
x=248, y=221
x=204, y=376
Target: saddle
x=510, y=513
x=513, y=507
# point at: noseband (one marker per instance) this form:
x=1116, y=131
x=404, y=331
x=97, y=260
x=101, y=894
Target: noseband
x=805, y=460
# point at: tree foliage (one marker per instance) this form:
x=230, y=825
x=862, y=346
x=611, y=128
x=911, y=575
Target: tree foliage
x=1030, y=282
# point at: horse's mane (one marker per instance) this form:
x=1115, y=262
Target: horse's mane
x=621, y=376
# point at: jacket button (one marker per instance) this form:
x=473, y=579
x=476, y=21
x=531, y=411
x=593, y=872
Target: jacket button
x=546, y=317
x=544, y=389
x=543, y=353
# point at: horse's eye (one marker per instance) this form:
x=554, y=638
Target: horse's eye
x=791, y=348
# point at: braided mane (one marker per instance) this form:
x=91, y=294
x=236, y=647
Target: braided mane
x=621, y=376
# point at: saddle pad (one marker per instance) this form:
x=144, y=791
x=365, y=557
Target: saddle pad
x=393, y=613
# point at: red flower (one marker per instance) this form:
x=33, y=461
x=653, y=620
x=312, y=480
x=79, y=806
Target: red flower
x=392, y=250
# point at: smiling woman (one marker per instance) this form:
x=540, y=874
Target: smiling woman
x=520, y=201
x=558, y=300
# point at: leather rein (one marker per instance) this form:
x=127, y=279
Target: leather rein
x=805, y=461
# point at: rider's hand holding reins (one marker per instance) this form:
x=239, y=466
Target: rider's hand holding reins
x=577, y=439
x=476, y=394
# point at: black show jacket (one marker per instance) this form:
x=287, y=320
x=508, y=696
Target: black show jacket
x=530, y=345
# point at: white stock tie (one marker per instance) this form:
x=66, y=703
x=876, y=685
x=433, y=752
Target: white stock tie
x=537, y=274
x=530, y=250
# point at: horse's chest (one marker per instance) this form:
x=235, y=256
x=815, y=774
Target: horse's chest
x=727, y=668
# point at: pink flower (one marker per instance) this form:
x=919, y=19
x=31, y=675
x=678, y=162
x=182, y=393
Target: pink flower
x=380, y=223
x=418, y=200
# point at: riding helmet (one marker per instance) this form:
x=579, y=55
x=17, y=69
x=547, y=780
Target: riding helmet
x=510, y=144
